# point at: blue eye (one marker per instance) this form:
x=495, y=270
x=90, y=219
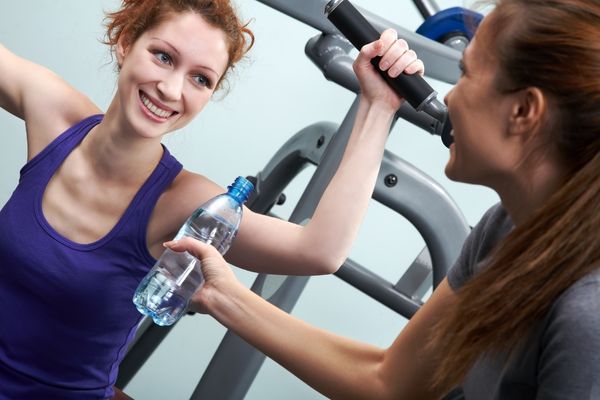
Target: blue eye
x=202, y=80
x=163, y=57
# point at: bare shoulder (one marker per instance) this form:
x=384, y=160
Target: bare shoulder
x=190, y=189
x=186, y=193
x=51, y=108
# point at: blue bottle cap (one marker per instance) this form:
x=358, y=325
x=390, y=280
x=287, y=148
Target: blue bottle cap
x=240, y=189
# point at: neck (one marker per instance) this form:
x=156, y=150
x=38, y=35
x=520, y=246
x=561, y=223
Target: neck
x=119, y=155
x=530, y=190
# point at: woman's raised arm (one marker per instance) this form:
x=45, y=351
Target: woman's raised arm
x=42, y=99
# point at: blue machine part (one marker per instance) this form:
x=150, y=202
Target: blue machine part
x=451, y=22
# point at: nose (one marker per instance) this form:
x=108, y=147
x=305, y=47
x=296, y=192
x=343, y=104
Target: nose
x=171, y=87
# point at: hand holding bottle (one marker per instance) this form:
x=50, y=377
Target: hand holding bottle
x=165, y=292
x=218, y=276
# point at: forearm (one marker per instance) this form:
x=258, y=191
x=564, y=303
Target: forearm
x=333, y=365
x=337, y=218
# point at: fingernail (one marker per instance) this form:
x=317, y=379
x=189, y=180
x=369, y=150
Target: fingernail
x=170, y=243
x=384, y=65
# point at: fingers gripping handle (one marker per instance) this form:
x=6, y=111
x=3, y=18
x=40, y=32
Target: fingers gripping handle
x=351, y=23
x=360, y=32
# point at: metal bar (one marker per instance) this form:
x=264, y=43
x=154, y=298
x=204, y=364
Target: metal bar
x=305, y=147
x=377, y=288
x=409, y=191
x=417, y=279
x=441, y=61
x=427, y=8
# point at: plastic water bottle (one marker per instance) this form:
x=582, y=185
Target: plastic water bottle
x=165, y=292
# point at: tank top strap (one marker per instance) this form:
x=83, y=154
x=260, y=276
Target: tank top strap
x=164, y=174
x=52, y=156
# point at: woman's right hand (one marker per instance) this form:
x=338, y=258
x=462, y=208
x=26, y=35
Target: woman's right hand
x=218, y=276
x=396, y=58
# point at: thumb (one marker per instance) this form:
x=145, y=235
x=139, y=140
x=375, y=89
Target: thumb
x=368, y=51
x=216, y=271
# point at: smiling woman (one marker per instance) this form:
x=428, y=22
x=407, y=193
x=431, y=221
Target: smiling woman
x=79, y=244
x=186, y=73
x=63, y=246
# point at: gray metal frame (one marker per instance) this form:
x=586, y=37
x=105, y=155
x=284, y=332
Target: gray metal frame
x=400, y=186
x=427, y=8
x=442, y=61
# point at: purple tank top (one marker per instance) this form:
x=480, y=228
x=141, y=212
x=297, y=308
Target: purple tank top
x=66, y=311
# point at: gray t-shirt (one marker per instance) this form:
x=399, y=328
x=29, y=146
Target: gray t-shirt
x=561, y=357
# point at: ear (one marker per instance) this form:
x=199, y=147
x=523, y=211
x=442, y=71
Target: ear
x=121, y=51
x=528, y=112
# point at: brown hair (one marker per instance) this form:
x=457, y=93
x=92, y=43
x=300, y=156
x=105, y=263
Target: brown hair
x=137, y=16
x=552, y=45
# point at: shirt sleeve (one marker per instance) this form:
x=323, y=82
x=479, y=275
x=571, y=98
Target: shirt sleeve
x=569, y=365
x=473, y=248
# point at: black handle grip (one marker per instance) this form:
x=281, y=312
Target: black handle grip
x=351, y=23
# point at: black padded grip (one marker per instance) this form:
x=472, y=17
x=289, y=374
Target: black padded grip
x=351, y=23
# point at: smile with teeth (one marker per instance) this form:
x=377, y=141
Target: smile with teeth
x=154, y=109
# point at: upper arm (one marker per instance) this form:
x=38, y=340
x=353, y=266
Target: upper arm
x=46, y=102
x=569, y=364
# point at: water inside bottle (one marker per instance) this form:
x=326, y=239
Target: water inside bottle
x=157, y=298
x=163, y=294
x=210, y=229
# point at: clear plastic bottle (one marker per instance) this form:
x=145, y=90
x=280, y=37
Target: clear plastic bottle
x=165, y=292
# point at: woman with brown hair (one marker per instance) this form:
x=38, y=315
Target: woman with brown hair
x=517, y=317
x=99, y=193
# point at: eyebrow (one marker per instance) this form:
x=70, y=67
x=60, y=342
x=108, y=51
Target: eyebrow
x=177, y=52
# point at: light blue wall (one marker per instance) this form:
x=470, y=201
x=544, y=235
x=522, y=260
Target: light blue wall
x=275, y=94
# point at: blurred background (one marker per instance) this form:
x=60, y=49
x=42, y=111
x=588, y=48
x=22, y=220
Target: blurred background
x=273, y=94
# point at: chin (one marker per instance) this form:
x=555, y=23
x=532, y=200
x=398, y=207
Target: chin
x=449, y=174
x=453, y=173
x=450, y=164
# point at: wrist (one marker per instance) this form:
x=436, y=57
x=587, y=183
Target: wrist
x=375, y=113
x=380, y=107
x=222, y=300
